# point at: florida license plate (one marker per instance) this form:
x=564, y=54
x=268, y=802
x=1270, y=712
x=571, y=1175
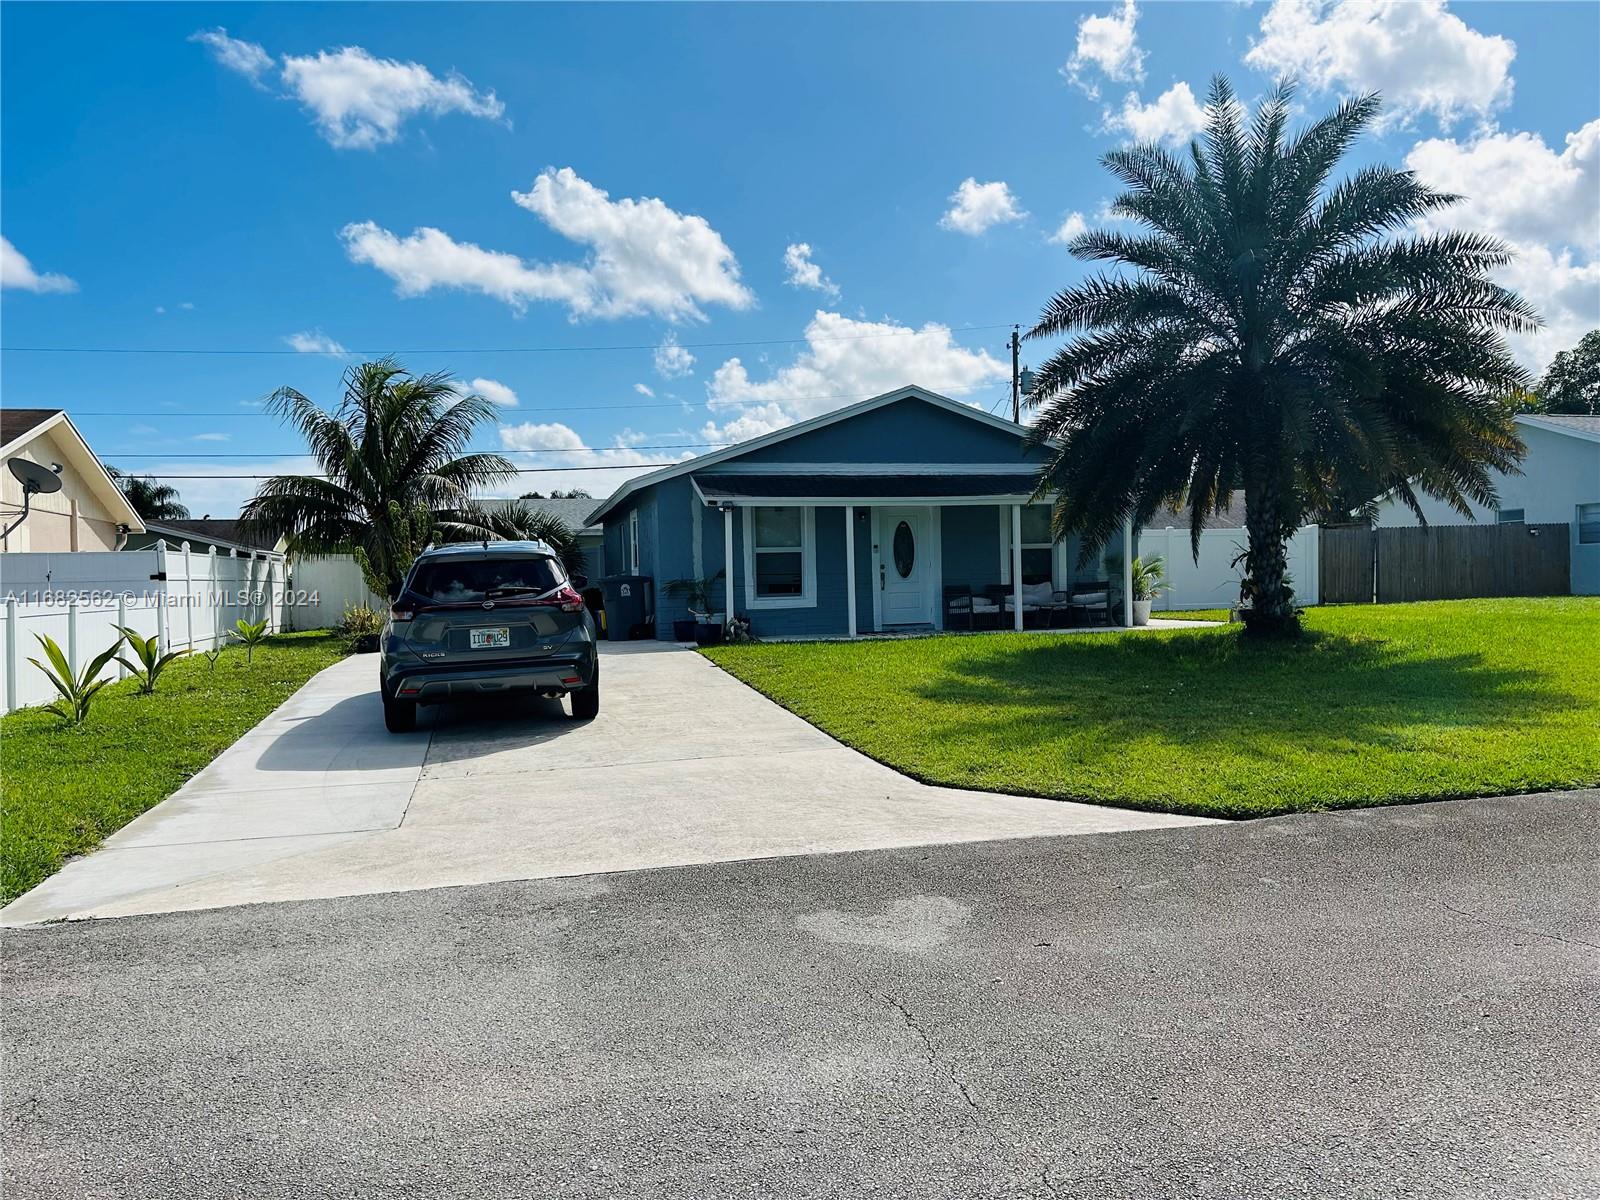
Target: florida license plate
x=490, y=639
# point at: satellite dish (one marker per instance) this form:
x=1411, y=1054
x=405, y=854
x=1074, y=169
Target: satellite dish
x=35, y=479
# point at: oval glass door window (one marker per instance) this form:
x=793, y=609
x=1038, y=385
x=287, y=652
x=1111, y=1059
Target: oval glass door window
x=905, y=550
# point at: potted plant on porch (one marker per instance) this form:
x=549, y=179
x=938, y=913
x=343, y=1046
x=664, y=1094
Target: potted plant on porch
x=1149, y=581
x=702, y=626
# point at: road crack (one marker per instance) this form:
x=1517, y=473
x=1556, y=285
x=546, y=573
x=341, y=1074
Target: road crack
x=1493, y=924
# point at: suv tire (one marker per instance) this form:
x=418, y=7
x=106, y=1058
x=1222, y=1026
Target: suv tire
x=586, y=701
x=399, y=716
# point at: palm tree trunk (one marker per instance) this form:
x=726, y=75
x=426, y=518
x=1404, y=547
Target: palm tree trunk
x=1271, y=611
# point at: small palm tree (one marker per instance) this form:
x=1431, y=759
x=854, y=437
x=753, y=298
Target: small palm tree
x=151, y=500
x=395, y=470
x=1278, y=335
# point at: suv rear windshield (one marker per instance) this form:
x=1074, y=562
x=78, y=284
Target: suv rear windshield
x=462, y=581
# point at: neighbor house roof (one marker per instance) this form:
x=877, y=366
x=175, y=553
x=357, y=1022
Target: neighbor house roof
x=20, y=426
x=572, y=513
x=210, y=529
x=910, y=392
x=1587, y=428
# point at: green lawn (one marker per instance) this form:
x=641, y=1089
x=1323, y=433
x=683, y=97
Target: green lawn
x=65, y=789
x=1192, y=614
x=1375, y=705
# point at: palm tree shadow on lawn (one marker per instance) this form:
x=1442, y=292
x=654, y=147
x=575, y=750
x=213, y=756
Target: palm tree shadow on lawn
x=1330, y=705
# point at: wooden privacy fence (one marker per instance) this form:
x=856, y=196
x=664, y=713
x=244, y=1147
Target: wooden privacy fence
x=1443, y=562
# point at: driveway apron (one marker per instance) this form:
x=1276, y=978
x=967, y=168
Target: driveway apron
x=684, y=765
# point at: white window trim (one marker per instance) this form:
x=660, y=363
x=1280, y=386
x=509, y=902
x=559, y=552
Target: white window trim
x=1059, y=575
x=808, y=562
x=633, y=542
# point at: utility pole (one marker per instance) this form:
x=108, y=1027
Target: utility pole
x=1016, y=375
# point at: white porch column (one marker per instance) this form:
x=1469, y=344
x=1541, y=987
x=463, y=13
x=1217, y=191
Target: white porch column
x=1127, y=573
x=727, y=560
x=850, y=567
x=1016, y=567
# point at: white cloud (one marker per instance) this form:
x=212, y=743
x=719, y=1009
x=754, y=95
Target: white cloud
x=359, y=102
x=1073, y=226
x=975, y=207
x=845, y=360
x=1106, y=44
x=313, y=341
x=161, y=310
x=644, y=389
x=671, y=360
x=803, y=273
x=1543, y=203
x=247, y=58
x=493, y=391
x=595, y=469
x=212, y=437
x=187, y=306
x=1173, y=117
x=1419, y=55
x=644, y=258
x=17, y=272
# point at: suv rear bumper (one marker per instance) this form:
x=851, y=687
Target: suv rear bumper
x=425, y=684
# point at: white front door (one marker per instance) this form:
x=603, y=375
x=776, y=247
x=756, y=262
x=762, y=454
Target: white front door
x=905, y=566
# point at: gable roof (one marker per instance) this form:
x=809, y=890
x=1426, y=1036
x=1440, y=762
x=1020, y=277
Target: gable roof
x=18, y=423
x=1587, y=428
x=19, y=426
x=909, y=392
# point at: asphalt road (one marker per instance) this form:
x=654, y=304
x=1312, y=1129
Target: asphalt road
x=1401, y=1002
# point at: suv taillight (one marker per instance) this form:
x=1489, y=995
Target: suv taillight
x=567, y=600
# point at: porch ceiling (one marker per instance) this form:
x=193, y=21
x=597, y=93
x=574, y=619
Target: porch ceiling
x=734, y=488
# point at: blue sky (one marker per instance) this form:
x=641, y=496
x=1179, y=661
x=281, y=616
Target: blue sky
x=864, y=195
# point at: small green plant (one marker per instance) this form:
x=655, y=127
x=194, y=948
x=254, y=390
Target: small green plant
x=1149, y=576
x=249, y=635
x=211, y=657
x=77, y=690
x=696, y=593
x=360, y=624
x=148, y=662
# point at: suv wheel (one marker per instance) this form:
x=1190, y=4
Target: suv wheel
x=586, y=701
x=399, y=716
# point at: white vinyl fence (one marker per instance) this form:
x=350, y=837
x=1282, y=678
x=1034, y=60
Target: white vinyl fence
x=190, y=599
x=1213, y=581
x=326, y=587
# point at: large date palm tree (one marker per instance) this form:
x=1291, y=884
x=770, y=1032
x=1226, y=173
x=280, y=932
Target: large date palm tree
x=395, y=470
x=1273, y=333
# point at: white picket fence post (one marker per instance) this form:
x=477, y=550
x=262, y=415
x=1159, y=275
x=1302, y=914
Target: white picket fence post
x=72, y=636
x=11, y=653
x=188, y=595
x=122, y=623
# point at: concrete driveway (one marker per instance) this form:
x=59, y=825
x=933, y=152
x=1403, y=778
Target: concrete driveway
x=684, y=765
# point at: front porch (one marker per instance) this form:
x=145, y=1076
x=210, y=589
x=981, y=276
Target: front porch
x=958, y=553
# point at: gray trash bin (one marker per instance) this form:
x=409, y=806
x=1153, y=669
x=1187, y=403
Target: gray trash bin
x=630, y=607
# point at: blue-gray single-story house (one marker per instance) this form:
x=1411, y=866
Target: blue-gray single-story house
x=907, y=511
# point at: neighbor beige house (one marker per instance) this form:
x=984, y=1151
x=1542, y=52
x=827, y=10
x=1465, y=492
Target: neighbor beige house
x=88, y=513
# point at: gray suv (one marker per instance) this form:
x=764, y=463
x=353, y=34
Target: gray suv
x=482, y=618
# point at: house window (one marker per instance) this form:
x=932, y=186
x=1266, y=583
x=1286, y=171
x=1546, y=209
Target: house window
x=1508, y=516
x=1039, y=551
x=1589, y=524
x=633, y=542
x=780, y=557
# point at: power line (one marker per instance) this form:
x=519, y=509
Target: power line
x=302, y=453
x=514, y=471
x=469, y=350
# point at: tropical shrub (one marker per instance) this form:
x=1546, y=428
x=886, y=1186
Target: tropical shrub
x=77, y=690
x=147, y=662
x=360, y=626
x=249, y=635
